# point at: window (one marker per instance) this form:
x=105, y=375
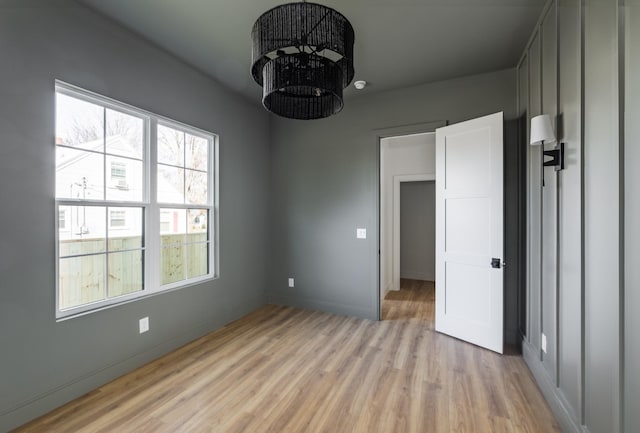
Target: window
x=128, y=228
x=183, y=184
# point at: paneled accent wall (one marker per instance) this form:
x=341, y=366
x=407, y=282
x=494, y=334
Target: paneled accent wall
x=582, y=282
x=631, y=195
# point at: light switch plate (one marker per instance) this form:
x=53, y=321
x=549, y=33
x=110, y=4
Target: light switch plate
x=144, y=325
x=361, y=233
x=291, y=282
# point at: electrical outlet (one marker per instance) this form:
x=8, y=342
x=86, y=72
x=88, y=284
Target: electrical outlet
x=361, y=233
x=144, y=325
x=544, y=343
x=291, y=282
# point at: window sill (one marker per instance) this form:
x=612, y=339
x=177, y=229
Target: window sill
x=62, y=316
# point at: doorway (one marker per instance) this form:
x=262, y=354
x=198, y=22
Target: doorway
x=469, y=252
x=415, y=299
x=407, y=188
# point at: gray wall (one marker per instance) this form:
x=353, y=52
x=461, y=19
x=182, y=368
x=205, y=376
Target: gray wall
x=631, y=301
x=418, y=230
x=582, y=285
x=601, y=219
x=324, y=184
x=44, y=363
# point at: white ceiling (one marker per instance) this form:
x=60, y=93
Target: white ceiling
x=399, y=43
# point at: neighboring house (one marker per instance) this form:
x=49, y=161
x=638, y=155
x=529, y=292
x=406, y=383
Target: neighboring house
x=122, y=178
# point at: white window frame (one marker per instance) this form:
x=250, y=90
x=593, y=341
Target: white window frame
x=212, y=204
x=149, y=204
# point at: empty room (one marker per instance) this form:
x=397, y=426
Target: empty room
x=346, y=216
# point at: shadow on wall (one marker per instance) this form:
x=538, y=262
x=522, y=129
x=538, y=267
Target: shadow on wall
x=515, y=147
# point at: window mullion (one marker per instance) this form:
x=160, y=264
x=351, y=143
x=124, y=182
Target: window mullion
x=104, y=196
x=214, y=197
x=152, y=217
x=107, y=210
x=185, y=257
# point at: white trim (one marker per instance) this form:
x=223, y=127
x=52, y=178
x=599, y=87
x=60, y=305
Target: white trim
x=378, y=135
x=397, y=180
x=558, y=403
x=214, y=218
x=211, y=175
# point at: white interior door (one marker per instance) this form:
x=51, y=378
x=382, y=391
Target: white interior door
x=469, y=231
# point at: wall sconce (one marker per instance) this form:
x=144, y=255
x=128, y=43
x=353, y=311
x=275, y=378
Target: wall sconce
x=541, y=132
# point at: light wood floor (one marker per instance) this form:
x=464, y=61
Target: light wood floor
x=283, y=369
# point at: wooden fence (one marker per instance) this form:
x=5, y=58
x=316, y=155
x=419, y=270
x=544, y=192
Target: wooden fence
x=84, y=279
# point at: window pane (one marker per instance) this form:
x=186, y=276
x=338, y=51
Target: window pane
x=170, y=146
x=79, y=123
x=170, y=184
x=198, y=260
x=125, y=228
x=172, y=264
x=197, y=150
x=82, y=280
x=124, y=179
x=173, y=228
x=125, y=273
x=84, y=232
x=125, y=136
x=196, y=187
x=79, y=174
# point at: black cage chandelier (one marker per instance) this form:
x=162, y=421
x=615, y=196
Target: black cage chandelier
x=303, y=59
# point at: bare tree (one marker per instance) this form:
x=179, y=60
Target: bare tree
x=185, y=150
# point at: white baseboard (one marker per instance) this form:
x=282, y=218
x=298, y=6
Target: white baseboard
x=552, y=394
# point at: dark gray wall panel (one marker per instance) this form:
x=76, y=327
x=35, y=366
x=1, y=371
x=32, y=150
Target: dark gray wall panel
x=570, y=189
x=324, y=185
x=632, y=217
x=601, y=207
x=534, y=196
x=549, y=43
x=44, y=363
x=594, y=383
x=523, y=122
x=514, y=227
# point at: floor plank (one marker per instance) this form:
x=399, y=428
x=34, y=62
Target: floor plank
x=283, y=369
